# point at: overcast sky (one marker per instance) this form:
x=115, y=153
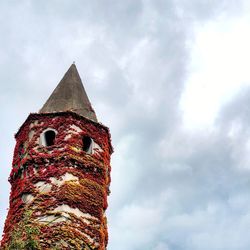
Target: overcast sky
x=171, y=80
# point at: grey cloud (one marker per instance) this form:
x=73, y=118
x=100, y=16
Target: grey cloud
x=171, y=190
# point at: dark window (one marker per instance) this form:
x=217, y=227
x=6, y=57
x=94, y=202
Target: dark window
x=49, y=137
x=87, y=144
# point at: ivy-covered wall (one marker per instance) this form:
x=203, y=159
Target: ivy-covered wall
x=61, y=189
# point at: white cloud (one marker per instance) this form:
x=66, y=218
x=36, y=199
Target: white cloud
x=143, y=63
x=220, y=56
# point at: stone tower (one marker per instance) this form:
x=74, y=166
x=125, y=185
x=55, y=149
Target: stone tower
x=61, y=175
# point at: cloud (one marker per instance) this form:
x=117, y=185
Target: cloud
x=172, y=188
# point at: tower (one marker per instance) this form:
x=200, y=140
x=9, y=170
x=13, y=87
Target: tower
x=60, y=175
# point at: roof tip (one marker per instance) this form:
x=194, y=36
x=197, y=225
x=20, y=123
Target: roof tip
x=70, y=95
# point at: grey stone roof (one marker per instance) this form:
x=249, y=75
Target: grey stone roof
x=70, y=95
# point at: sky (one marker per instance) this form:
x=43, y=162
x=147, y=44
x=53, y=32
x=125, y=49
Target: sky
x=171, y=80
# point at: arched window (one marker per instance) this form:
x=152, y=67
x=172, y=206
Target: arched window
x=87, y=144
x=48, y=137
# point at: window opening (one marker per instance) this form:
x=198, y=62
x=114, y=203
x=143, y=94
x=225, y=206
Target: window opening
x=87, y=144
x=49, y=137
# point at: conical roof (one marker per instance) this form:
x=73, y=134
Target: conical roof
x=70, y=95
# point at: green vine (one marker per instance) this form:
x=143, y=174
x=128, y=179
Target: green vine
x=24, y=237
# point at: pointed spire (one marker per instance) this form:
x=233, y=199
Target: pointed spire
x=70, y=95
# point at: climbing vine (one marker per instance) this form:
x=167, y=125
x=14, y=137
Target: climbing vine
x=24, y=237
x=67, y=213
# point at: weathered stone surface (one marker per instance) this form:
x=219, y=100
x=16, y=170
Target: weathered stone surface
x=70, y=95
